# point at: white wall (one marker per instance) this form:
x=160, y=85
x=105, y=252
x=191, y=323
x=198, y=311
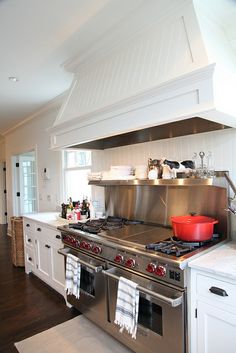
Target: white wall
x=222, y=144
x=34, y=135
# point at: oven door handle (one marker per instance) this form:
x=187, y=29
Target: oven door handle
x=172, y=302
x=65, y=252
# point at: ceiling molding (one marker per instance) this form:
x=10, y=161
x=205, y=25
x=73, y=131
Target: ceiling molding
x=46, y=108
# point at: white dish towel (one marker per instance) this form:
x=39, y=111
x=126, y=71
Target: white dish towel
x=127, y=304
x=73, y=269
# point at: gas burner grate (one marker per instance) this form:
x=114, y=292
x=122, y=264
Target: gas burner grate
x=95, y=226
x=171, y=247
x=113, y=225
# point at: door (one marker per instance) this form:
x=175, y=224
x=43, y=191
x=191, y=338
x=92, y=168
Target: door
x=216, y=330
x=3, y=207
x=58, y=270
x=43, y=256
x=25, y=183
x=161, y=326
x=92, y=301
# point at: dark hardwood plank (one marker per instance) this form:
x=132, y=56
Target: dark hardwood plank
x=27, y=305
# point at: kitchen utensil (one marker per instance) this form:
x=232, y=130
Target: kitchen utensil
x=193, y=228
x=202, y=155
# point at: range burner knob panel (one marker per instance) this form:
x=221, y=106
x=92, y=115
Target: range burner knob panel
x=160, y=271
x=130, y=263
x=96, y=249
x=119, y=258
x=151, y=267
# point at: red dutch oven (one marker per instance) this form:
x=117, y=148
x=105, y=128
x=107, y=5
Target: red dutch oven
x=193, y=228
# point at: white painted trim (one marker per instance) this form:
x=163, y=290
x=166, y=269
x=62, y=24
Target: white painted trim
x=46, y=108
x=16, y=204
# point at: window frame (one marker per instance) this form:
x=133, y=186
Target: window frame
x=65, y=169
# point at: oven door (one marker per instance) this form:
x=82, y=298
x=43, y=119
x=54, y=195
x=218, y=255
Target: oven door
x=92, y=300
x=161, y=318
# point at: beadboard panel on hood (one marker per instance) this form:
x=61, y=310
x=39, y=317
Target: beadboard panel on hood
x=141, y=64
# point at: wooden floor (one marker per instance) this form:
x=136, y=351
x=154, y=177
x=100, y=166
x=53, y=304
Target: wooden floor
x=27, y=305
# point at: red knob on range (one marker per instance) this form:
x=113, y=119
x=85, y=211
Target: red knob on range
x=97, y=249
x=130, y=263
x=119, y=259
x=160, y=271
x=83, y=244
x=151, y=267
x=88, y=246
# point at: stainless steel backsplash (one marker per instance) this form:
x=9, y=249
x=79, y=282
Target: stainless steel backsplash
x=156, y=204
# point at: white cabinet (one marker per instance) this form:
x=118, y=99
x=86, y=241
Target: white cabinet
x=212, y=313
x=216, y=329
x=42, y=258
x=29, y=248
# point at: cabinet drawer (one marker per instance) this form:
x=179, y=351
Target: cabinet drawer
x=49, y=235
x=29, y=225
x=29, y=258
x=212, y=288
x=29, y=239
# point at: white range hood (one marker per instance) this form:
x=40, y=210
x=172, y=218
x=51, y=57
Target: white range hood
x=167, y=62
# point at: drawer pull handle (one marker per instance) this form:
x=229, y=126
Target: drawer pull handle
x=218, y=291
x=30, y=258
x=27, y=225
x=29, y=240
x=47, y=246
x=58, y=236
x=39, y=229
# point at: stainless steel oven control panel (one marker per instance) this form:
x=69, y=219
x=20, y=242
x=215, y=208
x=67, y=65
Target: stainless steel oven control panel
x=159, y=270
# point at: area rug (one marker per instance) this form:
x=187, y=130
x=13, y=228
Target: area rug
x=78, y=335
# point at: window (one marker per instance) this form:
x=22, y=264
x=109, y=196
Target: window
x=77, y=165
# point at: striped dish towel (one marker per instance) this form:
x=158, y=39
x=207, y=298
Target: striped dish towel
x=73, y=269
x=127, y=304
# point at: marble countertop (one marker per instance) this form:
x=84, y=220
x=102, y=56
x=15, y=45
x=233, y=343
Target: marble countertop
x=221, y=261
x=51, y=219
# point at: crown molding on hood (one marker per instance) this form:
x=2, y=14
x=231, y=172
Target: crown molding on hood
x=190, y=95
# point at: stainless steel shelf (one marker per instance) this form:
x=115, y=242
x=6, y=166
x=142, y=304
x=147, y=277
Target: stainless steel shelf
x=160, y=182
x=217, y=180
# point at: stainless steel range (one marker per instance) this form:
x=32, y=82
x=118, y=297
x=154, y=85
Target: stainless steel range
x=148, y=255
